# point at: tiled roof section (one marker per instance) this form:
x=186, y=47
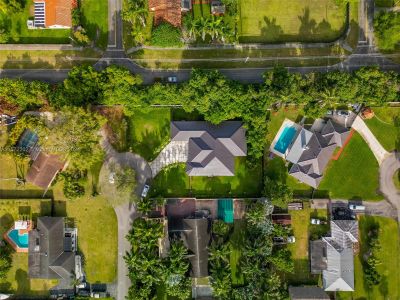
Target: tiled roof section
x=166, y=11
x=59, y=12
x=44, y=169
x=212, y=148
x=312, y=150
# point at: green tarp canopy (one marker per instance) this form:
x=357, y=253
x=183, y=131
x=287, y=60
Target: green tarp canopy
x=225, y=210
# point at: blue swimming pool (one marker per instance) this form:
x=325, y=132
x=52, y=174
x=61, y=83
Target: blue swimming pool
x=285, y=139
x=21, y=240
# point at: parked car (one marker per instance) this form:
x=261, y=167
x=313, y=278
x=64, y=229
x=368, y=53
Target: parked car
x=146, y=189
x=172, y=79
x=343, y=113
x=278, y=239
x=291, y=239
x=315, y=221
x=357, y=207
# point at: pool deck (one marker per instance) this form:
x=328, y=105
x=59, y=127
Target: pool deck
x=11, y=242
x=285, y=123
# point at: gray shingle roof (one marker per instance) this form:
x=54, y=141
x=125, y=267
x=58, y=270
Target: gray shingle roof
x=212, y=148
x=311, y=152
x=307, y=293
x=47, y=258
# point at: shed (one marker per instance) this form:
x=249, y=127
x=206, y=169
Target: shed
x=282, y=219
x=225, y=210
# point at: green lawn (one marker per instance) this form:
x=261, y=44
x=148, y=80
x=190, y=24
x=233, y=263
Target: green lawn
x=149, y=131
x=15, y=24
x=384, y=3
x=383, y=126
x=95, y=20
x=302, y=230
x=389, y=255
x=269, y=21
x=173, y=182
x=354, y=175
x=396, y=179
x=236, y=242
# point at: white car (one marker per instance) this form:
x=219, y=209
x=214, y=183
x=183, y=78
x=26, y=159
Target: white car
x=357, y=207
x=145, y=190
x=172, y=79
x=315, y=221
x=291, y=239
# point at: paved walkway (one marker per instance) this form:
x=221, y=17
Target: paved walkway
x=379, y=152
x=173, y=153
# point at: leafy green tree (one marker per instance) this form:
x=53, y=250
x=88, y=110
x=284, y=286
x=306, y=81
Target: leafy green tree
x=72, y=183
x=166, y=35
x=79, y=89
x=76, y=137
x=282, y=260
x=81, y=37
x=5, y=262
x=387, y=30
x=4, y=36
x=279, y=193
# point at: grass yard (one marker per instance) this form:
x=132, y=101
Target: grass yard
x=302, y=230
x=236, y=241
x=15, y=24
x=149, y=131
x=396, y=179
x=95, y=20
x=173, y=182
x=385, y=3
x=384, y=128
x=271, y=21
x=354, y=175
x=389, y=255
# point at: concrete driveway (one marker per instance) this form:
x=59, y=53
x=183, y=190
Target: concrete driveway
x=173, y=153
x=386, y=173
x=379, y=152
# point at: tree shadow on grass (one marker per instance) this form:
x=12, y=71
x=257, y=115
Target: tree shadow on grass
x=170, y=182
x=271, y=31
x=23, y=282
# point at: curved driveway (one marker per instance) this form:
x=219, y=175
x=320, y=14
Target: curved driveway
x=386, y=173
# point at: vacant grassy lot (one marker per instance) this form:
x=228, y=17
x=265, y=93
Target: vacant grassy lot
x=270, y=21
x=386, y=126
x=173, y=182
x=149, y=131
x=354, y=175
x=303, y=230
x=15, y=24
x=95, y=20
x=389, y=256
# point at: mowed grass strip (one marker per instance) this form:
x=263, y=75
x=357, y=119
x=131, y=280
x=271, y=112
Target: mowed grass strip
x=354, y=175
x=389, y=257
x=269, y=21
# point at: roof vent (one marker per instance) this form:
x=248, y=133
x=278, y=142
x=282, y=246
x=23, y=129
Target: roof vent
x=303, y=140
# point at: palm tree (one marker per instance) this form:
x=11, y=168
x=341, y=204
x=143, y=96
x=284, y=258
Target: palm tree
x=203, y=27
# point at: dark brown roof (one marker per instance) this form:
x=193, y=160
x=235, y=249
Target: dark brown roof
x=44, y=169
x=307, y=293
x=166, y=11
x=282, y=219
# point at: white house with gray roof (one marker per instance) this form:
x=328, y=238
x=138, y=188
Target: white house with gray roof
x=336, y=253
x=211, y=148
x=309, y=150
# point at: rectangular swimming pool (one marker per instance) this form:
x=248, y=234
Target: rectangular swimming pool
x=21, y=240
x=285, y=139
